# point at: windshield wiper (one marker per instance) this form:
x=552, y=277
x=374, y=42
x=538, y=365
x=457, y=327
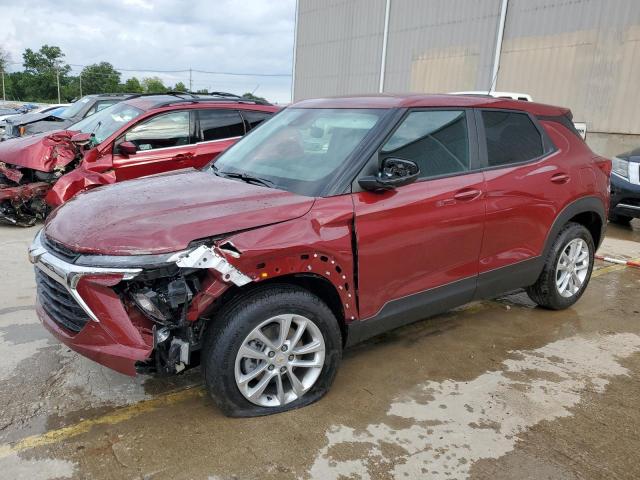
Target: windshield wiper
x=245, y=177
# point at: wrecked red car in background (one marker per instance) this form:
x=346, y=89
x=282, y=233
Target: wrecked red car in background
x=144, y=135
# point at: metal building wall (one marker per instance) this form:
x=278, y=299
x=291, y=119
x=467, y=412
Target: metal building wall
x=441, y=45
x=584, y=54
x=338, y=47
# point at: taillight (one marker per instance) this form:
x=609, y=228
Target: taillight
x=604, y=164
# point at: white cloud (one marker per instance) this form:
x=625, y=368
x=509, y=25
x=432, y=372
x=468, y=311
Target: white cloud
x=248, y=36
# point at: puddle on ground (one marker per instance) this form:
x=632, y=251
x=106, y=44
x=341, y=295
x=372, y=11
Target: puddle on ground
x=453, y=424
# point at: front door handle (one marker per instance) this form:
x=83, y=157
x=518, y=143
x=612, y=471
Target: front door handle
x=467, y=195
x=560, y=178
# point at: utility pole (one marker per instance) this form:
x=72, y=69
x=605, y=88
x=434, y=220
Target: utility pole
x=190, y=82
x=58, y=81
x=80, y=77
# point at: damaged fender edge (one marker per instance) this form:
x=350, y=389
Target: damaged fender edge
x=209, y=258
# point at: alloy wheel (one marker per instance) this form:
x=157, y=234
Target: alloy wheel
x=280, y=360
x=572, y=267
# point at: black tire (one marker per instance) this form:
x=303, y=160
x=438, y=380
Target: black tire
x=233, y=324
x=545, y=292
x=619, y=219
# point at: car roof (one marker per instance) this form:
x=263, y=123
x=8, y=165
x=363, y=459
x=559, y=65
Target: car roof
x=412, y=100
x=149, y=102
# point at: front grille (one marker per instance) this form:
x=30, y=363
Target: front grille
x=59, y=250
x=58, y=303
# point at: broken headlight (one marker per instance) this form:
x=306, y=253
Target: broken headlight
x=162, y=301
x=147, y=300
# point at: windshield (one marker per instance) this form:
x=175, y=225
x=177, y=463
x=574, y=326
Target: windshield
x=75, y=108
x=104, y=123
x=299, y=149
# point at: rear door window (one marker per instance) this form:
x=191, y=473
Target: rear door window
x=511, y=138
x=162, y=131
x=253, y=118
x=219, y=124
x=436, y=140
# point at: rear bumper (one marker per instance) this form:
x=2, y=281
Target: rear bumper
x=105, y=331
x=625, y=197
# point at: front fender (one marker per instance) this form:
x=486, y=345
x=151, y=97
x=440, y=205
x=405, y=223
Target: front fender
x=77, y=181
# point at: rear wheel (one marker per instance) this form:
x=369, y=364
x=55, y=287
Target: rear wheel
x=273, y=350
x=567, y=269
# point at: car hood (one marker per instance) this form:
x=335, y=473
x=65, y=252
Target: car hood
x=26, y=118
x=42, y=151
x=165, y=213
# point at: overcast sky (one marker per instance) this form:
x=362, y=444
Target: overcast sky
x=245, y=36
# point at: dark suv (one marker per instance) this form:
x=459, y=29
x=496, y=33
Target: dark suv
x=334, y=221
x=46, y=122
x=625, y=187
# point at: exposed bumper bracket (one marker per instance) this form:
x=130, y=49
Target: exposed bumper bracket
x=205, y=257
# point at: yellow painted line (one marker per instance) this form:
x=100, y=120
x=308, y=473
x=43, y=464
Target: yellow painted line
x=117, y=416
x=126, y=413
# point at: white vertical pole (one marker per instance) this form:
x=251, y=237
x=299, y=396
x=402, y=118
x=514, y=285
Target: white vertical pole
x=295, y=53
x=496, y=55
x=385, y=38
x=190, y=82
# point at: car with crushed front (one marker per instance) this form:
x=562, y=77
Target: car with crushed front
x=338, y=219
x=142, y=135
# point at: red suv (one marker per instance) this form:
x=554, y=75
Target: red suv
x=335, y=221
x=142, y=135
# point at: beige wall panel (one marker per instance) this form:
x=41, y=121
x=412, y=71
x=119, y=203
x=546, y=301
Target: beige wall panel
x=446, y=70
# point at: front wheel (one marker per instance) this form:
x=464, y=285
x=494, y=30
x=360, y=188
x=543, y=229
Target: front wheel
x=272, y=350
x=567, y=269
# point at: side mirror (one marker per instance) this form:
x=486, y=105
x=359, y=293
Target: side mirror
x=127, y=148
x=394, y=172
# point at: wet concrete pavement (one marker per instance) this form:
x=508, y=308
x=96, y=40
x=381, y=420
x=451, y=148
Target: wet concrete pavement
x=497, y=390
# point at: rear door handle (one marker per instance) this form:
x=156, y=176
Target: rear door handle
x=560, y=178
x=467, y=195
x=183, y=157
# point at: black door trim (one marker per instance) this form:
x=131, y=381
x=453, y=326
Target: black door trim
x=410, y=309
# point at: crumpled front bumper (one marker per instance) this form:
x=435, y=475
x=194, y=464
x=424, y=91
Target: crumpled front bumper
x=109, y=335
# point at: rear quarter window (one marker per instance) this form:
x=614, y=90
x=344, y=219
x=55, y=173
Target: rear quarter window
x=511, y=138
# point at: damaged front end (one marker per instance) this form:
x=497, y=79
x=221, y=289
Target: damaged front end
x=142, y=313
x=28, y=173
x=178, y=298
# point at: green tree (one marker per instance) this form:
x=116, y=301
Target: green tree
x=132, y=85
x=203, y=91
x=180, y=87
x=100, y=78
x=255, y=98
x=42, y=69
x=153, y=85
